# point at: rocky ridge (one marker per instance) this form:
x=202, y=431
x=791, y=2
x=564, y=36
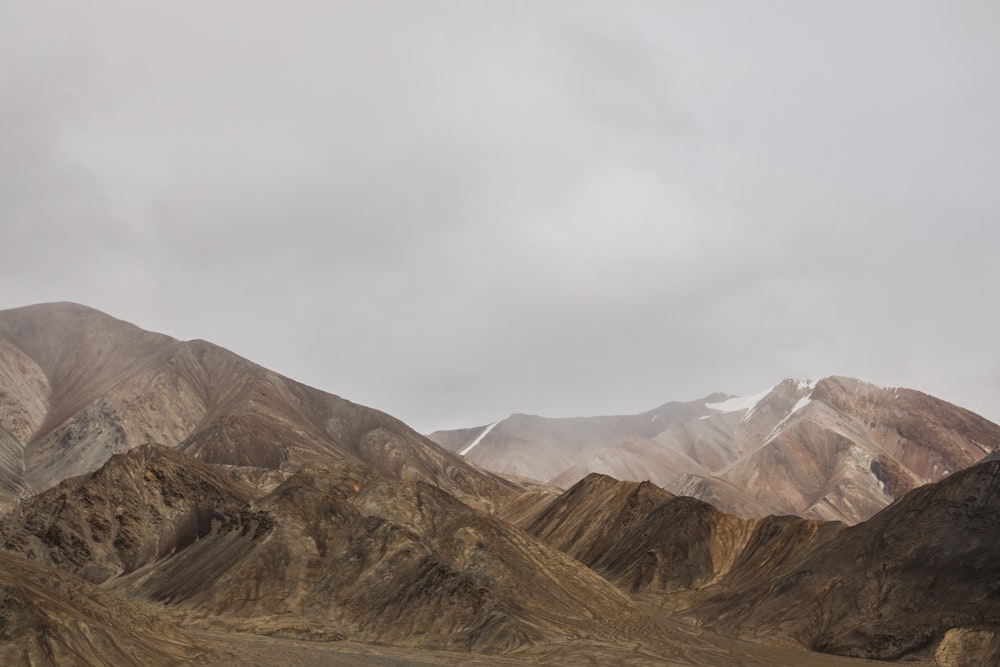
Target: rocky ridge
x=79, y=386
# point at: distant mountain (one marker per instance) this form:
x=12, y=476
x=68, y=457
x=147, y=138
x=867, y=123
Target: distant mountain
x=542, y=448
x=77, y=386
x=839, y=449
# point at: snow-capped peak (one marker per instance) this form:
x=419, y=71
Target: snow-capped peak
x=738, y=403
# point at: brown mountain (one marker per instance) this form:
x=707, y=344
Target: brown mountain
x=647, y=540
x=337, y=554
x=136, y=509
x=919, y=581
x=277, y=523
x=77, y=386
x=922, y=576
x=340, y=551
x=840, y=449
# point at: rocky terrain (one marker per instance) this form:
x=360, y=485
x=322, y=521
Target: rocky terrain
x=169, y=503
x=919, y=581
x=51, y=617
x=839, y=449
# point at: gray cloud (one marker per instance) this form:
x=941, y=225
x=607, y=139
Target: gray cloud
x=453, y=211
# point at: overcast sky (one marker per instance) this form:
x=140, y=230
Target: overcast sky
x=457, y=210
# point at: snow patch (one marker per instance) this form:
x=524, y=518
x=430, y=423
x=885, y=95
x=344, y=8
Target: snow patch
x=802, y=402
x=737, y=403
x=776, y=431
x=479, y=438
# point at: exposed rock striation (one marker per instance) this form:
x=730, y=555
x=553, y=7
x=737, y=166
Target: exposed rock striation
x=51, y=618
x=137, y=508
x=919, y=581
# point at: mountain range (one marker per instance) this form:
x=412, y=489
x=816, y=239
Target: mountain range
x=170, y=503
x=838, y=449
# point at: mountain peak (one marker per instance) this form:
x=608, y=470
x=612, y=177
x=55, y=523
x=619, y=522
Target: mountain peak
x=838, y=448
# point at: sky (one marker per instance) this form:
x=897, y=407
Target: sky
x=454, y=211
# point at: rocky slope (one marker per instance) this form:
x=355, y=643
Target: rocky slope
x=136, y=509
x=339, y=551
x=50, y=618
x=77, y=386
x=919, y=581
x=839, y=449
x=335, y=555
x=647, y=540
x=921, y=577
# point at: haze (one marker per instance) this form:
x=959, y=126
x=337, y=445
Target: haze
x=452, y=211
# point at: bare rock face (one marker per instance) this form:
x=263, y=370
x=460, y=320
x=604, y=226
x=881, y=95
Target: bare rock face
x=136, y=509
x=79, y=386
x=839, y=449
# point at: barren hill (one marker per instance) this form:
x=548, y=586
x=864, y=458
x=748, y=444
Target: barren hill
x=919, y=581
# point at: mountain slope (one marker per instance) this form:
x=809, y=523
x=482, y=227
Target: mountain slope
x=646, y=540
x=137, y=508
x=340, y=551
x=79, y=386
x=920, y=580
x=922, y=575
x=51, y=618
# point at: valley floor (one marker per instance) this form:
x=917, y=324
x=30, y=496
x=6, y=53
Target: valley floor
x=696, y=649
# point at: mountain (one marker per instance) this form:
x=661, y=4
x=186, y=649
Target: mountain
x=137, y=508
x=336, y=550
x=839, y=449
x=539, y=447
x=647, y=540
x=922, y=577
x=170, y=503
x=920, y=581
x=336, y=565
x=77, y=386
